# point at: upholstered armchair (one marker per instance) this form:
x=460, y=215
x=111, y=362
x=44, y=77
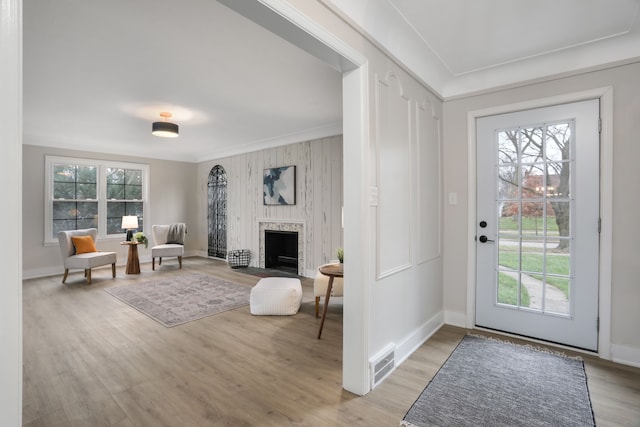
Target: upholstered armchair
x=78, y=250
x=320, y=284
x=168, y=241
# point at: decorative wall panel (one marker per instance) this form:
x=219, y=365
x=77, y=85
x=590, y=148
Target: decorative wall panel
x=395, y=186
x=429, y=179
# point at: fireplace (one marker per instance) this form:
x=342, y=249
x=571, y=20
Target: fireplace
x=281, y=250
x=282, y=225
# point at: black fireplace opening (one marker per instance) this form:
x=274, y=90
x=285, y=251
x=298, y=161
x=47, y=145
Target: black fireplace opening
x=281, y=250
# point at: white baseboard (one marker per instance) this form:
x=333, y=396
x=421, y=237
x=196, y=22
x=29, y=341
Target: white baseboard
x=454, y=318
x=36, y=273
x=418, y=337
x=625, y=355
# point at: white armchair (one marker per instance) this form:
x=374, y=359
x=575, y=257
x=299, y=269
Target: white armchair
x=168, y=241
x=320, y=284
x=83, y=254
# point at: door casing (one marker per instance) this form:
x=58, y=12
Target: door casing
x=605, y=94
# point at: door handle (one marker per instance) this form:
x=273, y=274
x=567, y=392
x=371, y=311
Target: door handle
x=484, y=239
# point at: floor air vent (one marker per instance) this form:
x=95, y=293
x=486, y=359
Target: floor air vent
x=382, y=364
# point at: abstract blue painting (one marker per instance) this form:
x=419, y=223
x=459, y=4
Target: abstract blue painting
x=280, y=186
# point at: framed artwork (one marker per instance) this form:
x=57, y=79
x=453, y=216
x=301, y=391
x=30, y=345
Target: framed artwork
x=279, y=186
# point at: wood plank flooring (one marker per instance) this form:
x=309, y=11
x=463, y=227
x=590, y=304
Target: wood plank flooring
x=91, y=360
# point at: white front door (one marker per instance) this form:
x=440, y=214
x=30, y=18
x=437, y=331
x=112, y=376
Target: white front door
x=537, y=225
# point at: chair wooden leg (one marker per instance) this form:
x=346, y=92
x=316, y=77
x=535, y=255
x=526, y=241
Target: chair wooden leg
x=87, y=273
x=153, y=263
x=66, y=272
x=113, y=270
x=180, y=261
x=317, y=305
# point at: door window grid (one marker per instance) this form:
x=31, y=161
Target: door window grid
x=534, y=165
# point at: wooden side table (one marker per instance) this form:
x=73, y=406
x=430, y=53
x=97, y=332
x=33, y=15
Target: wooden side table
x=331, y=270
x=133, y=262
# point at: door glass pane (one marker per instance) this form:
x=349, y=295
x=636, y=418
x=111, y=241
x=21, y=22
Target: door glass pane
x=556, y=295
x=508, y=182
x=508, y=288
x=508, y=147
x=531, y=143
x=559, y=220
x=557, y=142
x=532, y=257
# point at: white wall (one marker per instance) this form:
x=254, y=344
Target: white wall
x=10, y=214
x=318, y=198
x=172, y=197
x=405, y=227
x=625, y=80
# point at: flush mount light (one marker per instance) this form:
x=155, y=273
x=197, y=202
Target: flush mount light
x=165, y=129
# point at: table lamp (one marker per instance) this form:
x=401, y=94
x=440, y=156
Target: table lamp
x=129, y=223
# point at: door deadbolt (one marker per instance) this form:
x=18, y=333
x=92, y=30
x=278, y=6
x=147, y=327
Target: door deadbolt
x=483, y=224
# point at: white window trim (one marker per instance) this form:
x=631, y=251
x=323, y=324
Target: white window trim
x=101, y=166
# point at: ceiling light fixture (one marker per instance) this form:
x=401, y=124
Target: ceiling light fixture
x=165, y=129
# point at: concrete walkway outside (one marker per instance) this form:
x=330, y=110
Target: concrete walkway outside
x=556, y=300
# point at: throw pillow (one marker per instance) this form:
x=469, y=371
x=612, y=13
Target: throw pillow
x=83, y=244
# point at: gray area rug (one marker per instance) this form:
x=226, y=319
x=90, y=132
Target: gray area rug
x=176, y=300
x=487, y=382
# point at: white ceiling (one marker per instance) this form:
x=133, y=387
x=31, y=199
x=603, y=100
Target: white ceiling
x=461, y=47
x=96, y=73
x=470, y=36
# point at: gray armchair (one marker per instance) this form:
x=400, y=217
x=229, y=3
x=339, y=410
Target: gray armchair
x=89, y=258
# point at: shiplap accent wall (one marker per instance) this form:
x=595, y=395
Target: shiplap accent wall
x=319, y=189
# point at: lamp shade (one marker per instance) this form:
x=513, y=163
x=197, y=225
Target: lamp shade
x=129, y=222
x=164, y=129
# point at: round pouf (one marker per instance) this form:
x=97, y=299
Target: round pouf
x=276, y=296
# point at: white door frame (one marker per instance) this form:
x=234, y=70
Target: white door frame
x=11, y=263
x=605, y=94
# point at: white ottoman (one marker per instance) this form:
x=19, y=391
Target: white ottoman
x=276, y=296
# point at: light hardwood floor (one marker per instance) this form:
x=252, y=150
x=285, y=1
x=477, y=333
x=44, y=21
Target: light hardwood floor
x=91, y=360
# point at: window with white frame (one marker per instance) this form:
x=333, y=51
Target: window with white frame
x=85, y=193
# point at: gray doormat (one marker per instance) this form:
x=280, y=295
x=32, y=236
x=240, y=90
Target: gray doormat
x=176, y=300
x=486, y=382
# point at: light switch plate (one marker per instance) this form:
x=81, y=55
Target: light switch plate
x=373, y=196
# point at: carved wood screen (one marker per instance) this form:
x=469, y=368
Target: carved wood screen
x=217, y=217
